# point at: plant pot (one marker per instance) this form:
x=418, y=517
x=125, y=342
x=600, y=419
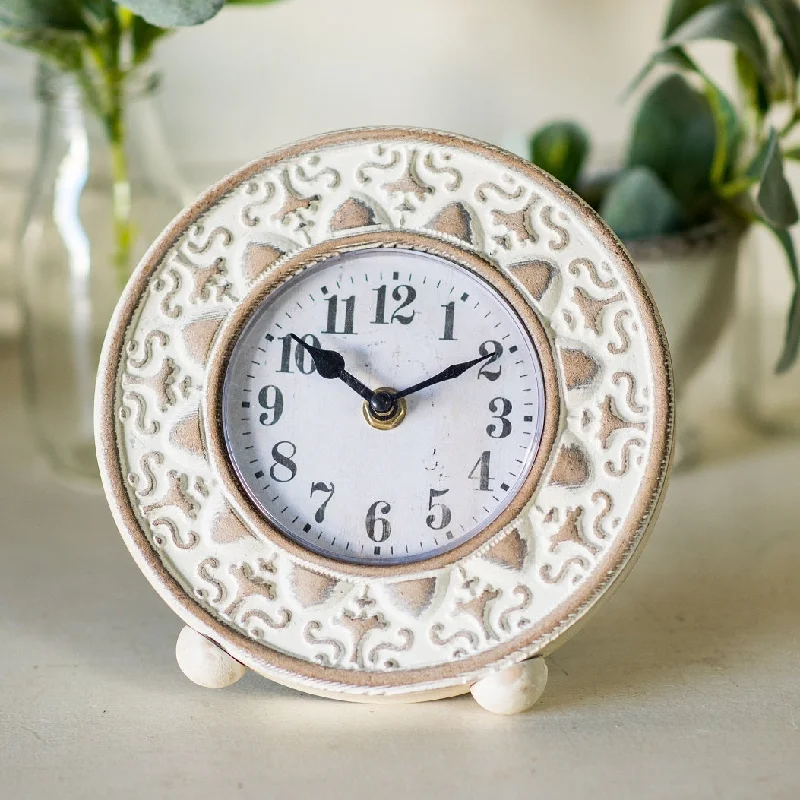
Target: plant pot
x=692, y=276
x=768, y=401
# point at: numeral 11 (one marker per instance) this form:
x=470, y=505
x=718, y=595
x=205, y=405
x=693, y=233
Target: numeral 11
x=349, y=314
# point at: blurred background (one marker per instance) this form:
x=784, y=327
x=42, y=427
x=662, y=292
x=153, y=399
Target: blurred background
x=257, y=76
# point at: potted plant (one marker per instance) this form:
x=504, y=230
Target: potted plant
x=103, y=187
x=700, y=167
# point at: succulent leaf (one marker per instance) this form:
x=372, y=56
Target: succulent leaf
x=561, y=149
x=674, y=135
x=174, y=13
x=638, y=205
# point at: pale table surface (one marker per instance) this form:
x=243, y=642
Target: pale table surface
x=687, y=685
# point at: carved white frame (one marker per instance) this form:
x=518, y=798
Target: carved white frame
x=440, y=625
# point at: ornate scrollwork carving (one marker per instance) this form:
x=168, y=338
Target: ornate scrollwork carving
x=312, y=613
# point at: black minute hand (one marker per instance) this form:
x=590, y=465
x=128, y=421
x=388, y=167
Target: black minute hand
x=330, y=364
x=451, y=372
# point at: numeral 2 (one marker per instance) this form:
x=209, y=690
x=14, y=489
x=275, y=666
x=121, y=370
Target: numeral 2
x=494, y=350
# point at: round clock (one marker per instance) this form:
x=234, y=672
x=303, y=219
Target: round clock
x=384, y=415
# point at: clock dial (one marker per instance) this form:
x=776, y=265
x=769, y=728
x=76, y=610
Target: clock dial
x=397, y=479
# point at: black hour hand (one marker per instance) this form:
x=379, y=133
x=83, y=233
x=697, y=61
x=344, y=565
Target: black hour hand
x=330, y=365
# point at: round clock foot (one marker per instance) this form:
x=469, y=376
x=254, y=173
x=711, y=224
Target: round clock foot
x=204, y=663
x=514, y=689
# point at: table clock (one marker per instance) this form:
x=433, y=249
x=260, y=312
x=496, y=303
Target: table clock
x=382, y=417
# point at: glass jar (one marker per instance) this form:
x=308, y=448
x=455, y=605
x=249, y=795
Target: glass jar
x=99, y=196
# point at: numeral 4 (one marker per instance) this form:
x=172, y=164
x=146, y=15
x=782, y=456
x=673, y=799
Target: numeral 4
x=482, y=468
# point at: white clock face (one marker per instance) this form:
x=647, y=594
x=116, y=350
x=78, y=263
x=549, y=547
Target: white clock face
x=380, y=487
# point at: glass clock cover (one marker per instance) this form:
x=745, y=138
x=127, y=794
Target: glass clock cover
x=310, y=459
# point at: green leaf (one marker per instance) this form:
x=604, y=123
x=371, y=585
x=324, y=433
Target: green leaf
x=638, y=205
x=63, y=49
x=143, y=37
x=791, y=345
x=674, y=135
x=728, y=126
x=729, y=131
x=725, y=22
x=792, y=154
x=785, y=17
x=560, y=148
x=670, y=56
x=755, y=92
x=61, y=15
x=173, y=13
x=680, y=11
x=775, y=198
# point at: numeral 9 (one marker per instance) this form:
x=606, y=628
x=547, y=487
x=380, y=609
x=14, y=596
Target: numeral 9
x=270, y=398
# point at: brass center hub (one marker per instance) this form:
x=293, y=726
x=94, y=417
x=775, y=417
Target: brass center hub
x=384, y=412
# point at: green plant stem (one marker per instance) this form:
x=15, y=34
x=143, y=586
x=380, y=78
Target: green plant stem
x=121, y=188
x=104, y=78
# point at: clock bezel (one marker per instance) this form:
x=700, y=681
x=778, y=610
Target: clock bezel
x=447, y=676
x=291, y=266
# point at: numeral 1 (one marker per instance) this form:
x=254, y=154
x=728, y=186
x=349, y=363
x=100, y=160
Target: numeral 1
x=449, y=321
x=349, y=313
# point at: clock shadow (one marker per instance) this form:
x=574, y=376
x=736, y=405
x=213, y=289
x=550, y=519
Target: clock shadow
x=714, y=587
